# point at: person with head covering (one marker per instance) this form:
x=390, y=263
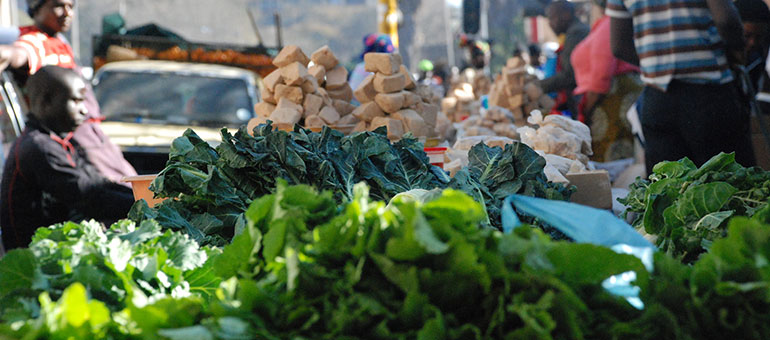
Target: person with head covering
x=608, y=87
x=378, y=43
x=47, y=178
x=43, y=44
x=563, y=22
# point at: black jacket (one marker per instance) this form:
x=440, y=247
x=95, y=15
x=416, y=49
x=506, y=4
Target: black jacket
x=46, y=181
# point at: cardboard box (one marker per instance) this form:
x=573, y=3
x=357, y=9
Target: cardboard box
x=593, y=188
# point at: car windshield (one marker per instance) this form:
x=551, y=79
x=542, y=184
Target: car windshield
x=173, y=99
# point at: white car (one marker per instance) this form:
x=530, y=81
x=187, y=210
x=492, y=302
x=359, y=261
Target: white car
x=149, y=103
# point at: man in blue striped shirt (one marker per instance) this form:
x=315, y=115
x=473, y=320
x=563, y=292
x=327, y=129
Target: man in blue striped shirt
x=691, y=106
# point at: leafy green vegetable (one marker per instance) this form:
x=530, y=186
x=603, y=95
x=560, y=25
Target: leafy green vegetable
x=687, y=208
x=408, y=270
x=125, y=263
x=368, y=270
x=724, y=295
x=494, y=173
x=212, y=187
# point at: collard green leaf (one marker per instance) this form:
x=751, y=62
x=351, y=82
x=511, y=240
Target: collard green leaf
x=674, y=169
x=19, y=270
x=698, y=201
x=147, y=230
x=685, y=207
x=723, y=162
x=713, y=220
x=192, y=149
x=653, y=219
x=214, y=184
x=494, y=173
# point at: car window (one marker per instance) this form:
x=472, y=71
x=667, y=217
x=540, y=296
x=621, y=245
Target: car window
x=10, y=126
x=173, y=99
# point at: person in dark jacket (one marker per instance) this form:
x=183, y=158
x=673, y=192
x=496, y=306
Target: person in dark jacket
x=47, y=178
x=44, y=43
x=562, y=19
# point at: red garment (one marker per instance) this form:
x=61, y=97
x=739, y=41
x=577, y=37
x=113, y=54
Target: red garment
x=44, y=50
x=593, y=62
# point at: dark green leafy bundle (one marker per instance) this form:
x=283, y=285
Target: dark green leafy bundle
x=494, y=173
x=406, y=271
x=212, y=187
x=126, y=263
x=687, y=208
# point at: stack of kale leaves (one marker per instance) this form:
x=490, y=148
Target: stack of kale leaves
x=686, y=208
x=212, y=187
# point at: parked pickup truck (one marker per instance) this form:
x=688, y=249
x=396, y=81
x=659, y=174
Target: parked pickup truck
x=148, y=103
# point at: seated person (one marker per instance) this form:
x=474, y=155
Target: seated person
x=47, y=178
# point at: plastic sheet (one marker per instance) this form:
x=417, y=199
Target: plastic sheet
x=587, y=225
